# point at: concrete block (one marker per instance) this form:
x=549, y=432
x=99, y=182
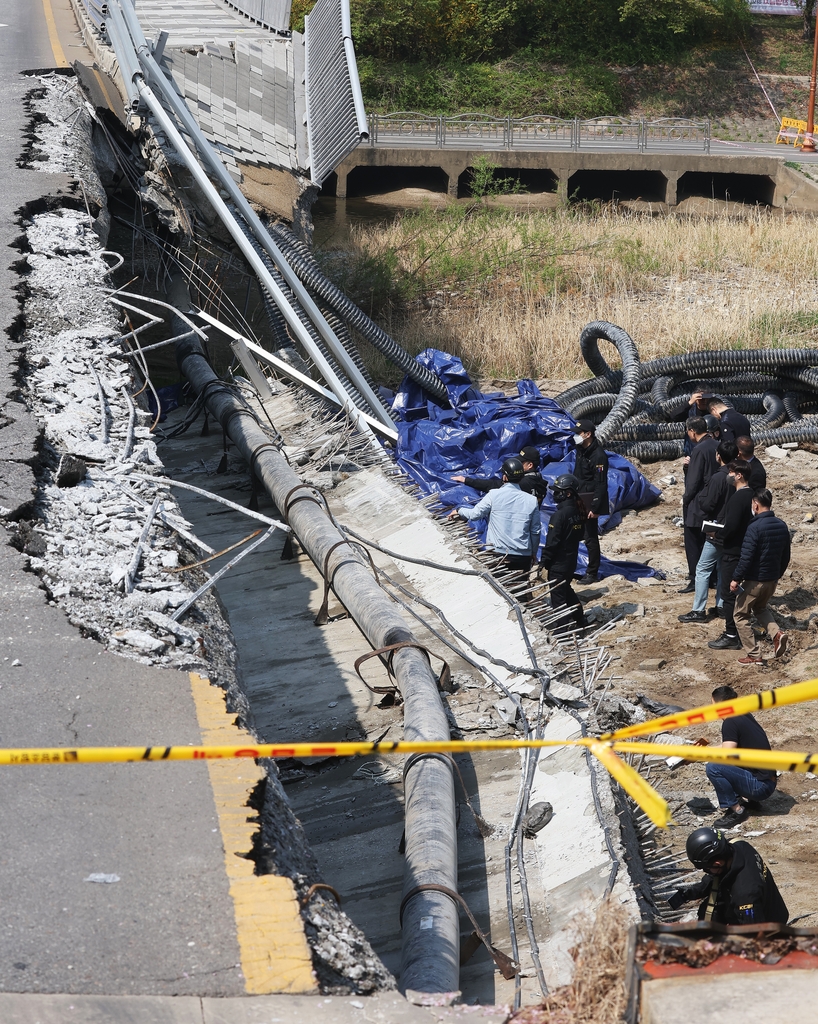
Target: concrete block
x=773, y=997
x=32, y=1008
x=652, y=665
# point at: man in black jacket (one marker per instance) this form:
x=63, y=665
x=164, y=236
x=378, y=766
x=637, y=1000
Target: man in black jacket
x=591, y=470
x=738, y=888
x=731, y=423
x=765, y=555
x=701, y=467
x=735, y=518
x=736, y=787
x=559, y=556
x=746, y=452
x=532, y=481
x=709, y=505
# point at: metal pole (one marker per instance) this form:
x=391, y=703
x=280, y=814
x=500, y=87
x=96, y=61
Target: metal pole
x=808, y=145
x=430, y=956
x=205, y=150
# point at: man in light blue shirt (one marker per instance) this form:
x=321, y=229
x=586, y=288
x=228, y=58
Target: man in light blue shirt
x=513, y=518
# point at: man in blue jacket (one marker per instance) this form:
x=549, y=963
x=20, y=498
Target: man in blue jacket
x=765, y=555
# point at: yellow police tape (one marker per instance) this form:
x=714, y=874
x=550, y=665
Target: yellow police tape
x=605, y=748
x=794, y=694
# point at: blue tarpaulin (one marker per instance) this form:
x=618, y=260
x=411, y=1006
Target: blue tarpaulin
x=480, y=431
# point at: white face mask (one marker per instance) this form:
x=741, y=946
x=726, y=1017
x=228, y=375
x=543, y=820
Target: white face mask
x=578, y=438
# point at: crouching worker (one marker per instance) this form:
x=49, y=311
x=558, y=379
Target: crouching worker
x=513, y=518
x=566, y=529
x=738, y=887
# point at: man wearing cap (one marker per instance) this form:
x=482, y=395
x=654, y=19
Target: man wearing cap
x=513, y=516
x=591, y=470
x=532, y=481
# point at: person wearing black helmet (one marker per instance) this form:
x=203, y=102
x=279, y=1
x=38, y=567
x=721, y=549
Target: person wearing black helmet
x=532, y=481
x=513, y=518
x=738, y=887
x=559, y=557
x=591, y=471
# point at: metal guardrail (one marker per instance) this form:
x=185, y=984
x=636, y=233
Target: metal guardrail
x=538, y=132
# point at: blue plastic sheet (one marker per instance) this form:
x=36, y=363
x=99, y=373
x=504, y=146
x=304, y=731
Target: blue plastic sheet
x=480, y=431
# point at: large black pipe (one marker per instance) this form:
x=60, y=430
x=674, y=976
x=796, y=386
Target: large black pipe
x=431, y=949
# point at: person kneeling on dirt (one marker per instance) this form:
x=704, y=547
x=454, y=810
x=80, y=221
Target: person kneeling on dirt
x=566, y=528
x=738, y=887
x=738, y=788
x=513, y=527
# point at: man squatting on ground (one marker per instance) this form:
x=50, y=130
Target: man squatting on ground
x=559, y=557
x=739, y=789
x=591, y=471
x=738, y=887
x=709, y=505
x=765, y=555
x=531, y=482
x=513, y=519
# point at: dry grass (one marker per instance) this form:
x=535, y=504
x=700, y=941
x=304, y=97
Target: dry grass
x=597, y=993
x=509, y=291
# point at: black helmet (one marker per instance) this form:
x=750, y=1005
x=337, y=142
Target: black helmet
x=565, y=486
x=513, y=469
x=712, y=423
x=706, y=845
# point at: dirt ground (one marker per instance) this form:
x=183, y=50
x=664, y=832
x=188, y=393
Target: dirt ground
x=784, y=830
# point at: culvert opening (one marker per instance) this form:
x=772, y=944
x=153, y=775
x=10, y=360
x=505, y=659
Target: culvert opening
x=374, y=181
x=753, y=189
x=617, y=186
x=526, y=180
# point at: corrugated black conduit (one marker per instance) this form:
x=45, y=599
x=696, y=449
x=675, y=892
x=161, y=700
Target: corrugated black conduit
x=645, y=409
x=303, y=262
x=348, y=386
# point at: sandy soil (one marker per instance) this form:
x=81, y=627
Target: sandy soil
x=784, y=830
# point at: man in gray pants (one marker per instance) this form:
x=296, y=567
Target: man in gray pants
x=765, y=555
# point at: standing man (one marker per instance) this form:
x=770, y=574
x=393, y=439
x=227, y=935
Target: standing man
x=701, y=467
x=731, y=423
x=765, y=555
x=746, y=452
x=710, y=502
x=736, y=787
x=513, y=519
x=591, y=471
x=532, y=481
x=738, y=888
x=559, y=557
x=736, y=517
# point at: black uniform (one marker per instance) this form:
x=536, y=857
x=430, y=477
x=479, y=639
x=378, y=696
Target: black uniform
x=745, y=894
x=758, y=475
x=701, y=467
x=532, y=483
x=733, y=424
x=591, y=470
x=736, y=515
x=559, y=557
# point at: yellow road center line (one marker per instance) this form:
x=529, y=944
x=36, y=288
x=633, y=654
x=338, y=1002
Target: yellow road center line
x=53, y=35
x=275, y=956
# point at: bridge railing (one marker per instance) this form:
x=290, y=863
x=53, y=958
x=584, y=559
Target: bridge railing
x=539, y=131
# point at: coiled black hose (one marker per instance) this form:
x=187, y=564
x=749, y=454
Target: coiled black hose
x=629, y=388
x=303, y=263
x=645, y=410
x=355, y=396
